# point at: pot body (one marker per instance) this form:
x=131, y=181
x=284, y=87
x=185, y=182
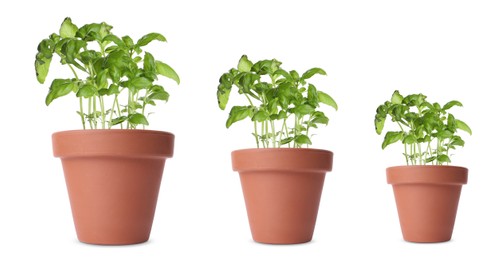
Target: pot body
x=427, y=199
x=113, y=179
x=282, y=189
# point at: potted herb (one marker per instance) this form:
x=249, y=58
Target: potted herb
x=112, y=167
x=282, y=178
x=427, y=189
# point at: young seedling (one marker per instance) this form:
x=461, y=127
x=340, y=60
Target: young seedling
x=427, y=130
x=105, y=68
x=282, y=105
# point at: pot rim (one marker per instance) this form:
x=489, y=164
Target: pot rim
x=113, y=142
x=282, y=159
x=95, y=131
x=426, y=166
x=428, y=174
x=282, y=149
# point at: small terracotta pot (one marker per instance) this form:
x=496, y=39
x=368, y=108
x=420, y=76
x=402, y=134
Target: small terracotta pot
x=282, y=189
x=427, y=200
x=113, y=179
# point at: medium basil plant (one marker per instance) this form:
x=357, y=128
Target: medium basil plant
x=282, y=105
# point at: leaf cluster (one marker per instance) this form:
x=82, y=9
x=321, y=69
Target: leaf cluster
x=105, y=67
x=282, y=105
x=427, y=130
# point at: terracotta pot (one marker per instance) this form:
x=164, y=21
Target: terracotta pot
x=282, y=189
x=427, y=200
x=113, y=179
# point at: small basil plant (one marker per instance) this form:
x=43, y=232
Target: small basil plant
x=113, y=78
x=282, y=105
x=427, y=130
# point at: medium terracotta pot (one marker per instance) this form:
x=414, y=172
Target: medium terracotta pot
x=427, y=200
x=282, y=189
x=113, y=179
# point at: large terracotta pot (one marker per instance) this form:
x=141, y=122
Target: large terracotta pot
x=282, y=189
x=113, y=179
x=427, y=200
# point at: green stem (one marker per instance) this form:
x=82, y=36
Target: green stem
x=256, y=133
x=266, y=134
x=274, y=137
x=419, y=153
x=296, y=125
x=102, y=111
x=81, y=99
x=90, y=113
x=82, y=114
x=95, y=111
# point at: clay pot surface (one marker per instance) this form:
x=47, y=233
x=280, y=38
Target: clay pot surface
x=113, y=179
x=282, y=189
x=427, y=199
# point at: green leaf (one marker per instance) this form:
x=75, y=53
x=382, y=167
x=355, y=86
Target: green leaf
x=286, y=140
x=42, y=67
x=238, y=113
x=128, y=41
x=87, y=91
x=302, y=139
x=409, y=139
x=396, y=98
x=320, y=119
x=304, y=109
x=149, y=63
x=443, y=158
x=118, y=120
x=283, y=73
x=457, y=141
x=59, y=88
x=113, y=89
x=260, y=116
x=138, y=119
x=451, y=104
x=311, y=72
x=146, y=39
x=113, y=38
x=294, y=74
x=163, y=95
x=463, y=126
x=245, y=64
x=380, y=118
x=68, y=29
x=430, y=159
x=391, y=137
x=444, y=134
x=140, y=83
x=102, y=79
x=312, y=96
x=327, y=100
x=165, y=70
x=71, y=50
x=223, y=95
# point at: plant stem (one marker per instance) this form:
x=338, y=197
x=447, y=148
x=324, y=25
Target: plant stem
x=256, y=133
x=81, y=99
x=296, y=125
x=102, y=111
x=274, y=137
x=90, y=112
x=95, y=111
x=82, y=114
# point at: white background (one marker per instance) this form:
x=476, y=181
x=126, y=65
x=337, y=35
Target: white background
x=444, y=49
